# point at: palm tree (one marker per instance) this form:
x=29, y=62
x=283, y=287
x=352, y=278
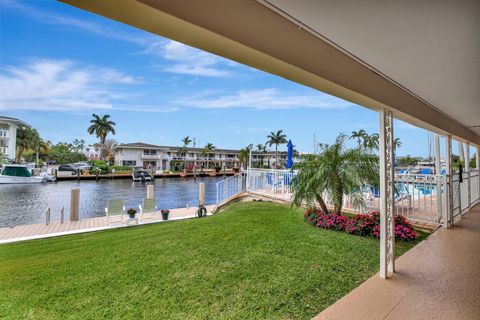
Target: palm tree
x=183, y=150
x=101, y=127
x=186, y=141
x=371, y=142
x=27, y=138
x=244, y=155
x=263, y=149
x=359, y=136
x=109, y=147
x=336, y=171
x=209, y=147
x=276, y=138
x=396, y=144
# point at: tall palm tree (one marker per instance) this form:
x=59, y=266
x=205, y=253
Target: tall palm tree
x=27, y=138
x=101, y=127
x=209, y=147
x=371, y=142
x=109, y=147
x=276, y=138
x=244, y=155
x=359, y=136
x=336, y=171
x=183, y=150
x=186, y=141
x=263, y=149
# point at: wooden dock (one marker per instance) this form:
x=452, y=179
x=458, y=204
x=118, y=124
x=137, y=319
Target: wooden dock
x=156, y=176
x=56, y=228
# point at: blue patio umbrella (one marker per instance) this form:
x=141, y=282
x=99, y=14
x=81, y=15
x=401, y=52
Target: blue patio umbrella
x=289, y=162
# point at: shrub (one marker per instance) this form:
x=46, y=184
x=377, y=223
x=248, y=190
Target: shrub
x=99, y=163
x=367, y=225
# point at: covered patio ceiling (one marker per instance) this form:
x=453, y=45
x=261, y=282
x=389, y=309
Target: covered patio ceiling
x=420, y=60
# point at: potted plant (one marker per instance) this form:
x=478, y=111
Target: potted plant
x=165, y=214
x=131, y=213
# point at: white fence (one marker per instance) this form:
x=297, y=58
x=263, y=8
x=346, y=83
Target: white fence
x=230, y=187
x=418, y=197
x=466, y=192
x=276, y=183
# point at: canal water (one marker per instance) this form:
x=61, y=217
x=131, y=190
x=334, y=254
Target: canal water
x=27, y=203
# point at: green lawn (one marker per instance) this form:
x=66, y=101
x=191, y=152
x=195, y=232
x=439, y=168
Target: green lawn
x=253, y=261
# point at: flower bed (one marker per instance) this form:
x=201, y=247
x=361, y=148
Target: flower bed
x=367, y=225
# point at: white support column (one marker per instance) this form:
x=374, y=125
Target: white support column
x=387, y=185
x=478, y=168
x=438, y=170
x=467, y=169
x=460, y=151
x=448, y=213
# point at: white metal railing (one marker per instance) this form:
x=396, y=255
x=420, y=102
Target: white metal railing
x=475, y=187
x=277, y=183
x=466, y=193
x=230, y=187
x=418, y=197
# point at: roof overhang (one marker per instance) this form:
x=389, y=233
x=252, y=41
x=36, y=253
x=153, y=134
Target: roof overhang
x=15, y=121
x=251, y=33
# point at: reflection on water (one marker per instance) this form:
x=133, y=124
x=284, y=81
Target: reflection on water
x=25, y=204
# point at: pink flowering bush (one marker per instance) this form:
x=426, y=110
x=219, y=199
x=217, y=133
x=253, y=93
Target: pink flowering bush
x=362, y=224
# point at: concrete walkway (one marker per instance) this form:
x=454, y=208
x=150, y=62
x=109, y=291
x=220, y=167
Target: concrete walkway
x=437, y=279
x=54, y=229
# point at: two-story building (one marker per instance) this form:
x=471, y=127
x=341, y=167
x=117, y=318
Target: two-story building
x=8, y=135
x=172, y=158
x=91, y=153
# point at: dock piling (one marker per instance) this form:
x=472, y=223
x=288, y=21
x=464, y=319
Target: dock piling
x=150, y=194
x=201, y=193
x=74, y=204
x=47, y=222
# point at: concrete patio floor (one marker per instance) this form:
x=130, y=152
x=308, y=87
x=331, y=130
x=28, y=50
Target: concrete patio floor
x=437, y=279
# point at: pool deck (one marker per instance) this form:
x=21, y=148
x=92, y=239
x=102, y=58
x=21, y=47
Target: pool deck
x=56, y=228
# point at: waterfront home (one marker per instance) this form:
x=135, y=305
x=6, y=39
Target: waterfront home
x=91, y=152
x=141, y=154
x=8, y=135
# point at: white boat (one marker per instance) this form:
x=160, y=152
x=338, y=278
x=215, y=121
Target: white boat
x=17, y=173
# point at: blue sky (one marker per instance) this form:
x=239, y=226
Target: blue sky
x=58, y=65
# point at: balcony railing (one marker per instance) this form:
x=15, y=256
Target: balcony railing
x=152, y=156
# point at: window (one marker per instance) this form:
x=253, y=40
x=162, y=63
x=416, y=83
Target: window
x=149, y=152
x=16, y=172
x=129, y=163
x=3, y=131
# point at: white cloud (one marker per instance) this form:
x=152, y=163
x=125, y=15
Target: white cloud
x=60, y=85
x=190, y=61
x=265, y=99
x=182, y=59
